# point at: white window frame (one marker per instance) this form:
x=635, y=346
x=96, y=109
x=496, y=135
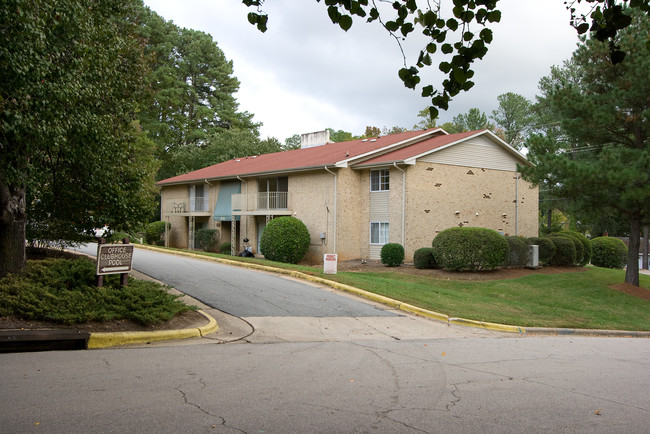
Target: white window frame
x=382, y=235
x=383, y=179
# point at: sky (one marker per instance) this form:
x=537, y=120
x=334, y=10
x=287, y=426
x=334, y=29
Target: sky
x=305, y=74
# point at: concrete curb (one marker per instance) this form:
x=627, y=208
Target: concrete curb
x=410, y=308
x=111, y=339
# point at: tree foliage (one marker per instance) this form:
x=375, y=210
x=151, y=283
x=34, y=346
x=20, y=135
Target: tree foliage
x=192, y=106
x=71, y=156
x=474, y=119
x=599, y=158
x=459, y=38
x=514, y=116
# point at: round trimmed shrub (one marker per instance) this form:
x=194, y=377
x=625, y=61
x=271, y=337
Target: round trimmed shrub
x=469, y=248
x=392, y=254
x=586, y=244
x=285, y=239
x=546, y=249
x=225, y=248
x=580, y=249
x=565, y=251
x=608, y=252
x=423, y=258
x=518, y=252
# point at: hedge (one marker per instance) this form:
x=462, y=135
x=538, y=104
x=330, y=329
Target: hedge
x=565, y=251
x=392, y=254
x=608, y=252
x=546, y=249
x=518, y=252
x=285, y=239
x=423, y=258
x=469, y=248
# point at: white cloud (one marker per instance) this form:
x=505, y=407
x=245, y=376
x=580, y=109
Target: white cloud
x=306, y=74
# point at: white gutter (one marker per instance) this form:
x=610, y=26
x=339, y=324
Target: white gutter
x=403, y=199
x=335, y=205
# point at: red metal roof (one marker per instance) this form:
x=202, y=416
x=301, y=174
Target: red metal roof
x=297, y=159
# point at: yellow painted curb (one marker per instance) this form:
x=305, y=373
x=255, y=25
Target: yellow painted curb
x=360, y=292
x=423, y=312
x=111, y=339
x=488, y=325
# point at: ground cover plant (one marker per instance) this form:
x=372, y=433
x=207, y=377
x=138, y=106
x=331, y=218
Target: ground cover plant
x=63, y=291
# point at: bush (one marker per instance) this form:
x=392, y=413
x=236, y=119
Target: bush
x=470, y=248
x=285, y=239
x=546, y=249
x=117, y=237
x=518, y=252
x=208, y=239
x=64, y=291
x=155, y=231
x=423, y=258
x=580, y=249
x=585, y=244
x=225, y=248
x=608, y=252
x=392, y=254
x=565, y=251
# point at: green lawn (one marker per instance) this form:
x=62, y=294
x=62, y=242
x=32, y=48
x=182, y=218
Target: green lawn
x=565, y=300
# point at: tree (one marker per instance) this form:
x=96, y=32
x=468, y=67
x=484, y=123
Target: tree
x=401, y=18
x=426, y=121
x=514, y=116
x=371, y=132
x=292, y=142
x=193, y=92
x=70, y=76
x=340, y=135
x=601, y=159
x=474, y=119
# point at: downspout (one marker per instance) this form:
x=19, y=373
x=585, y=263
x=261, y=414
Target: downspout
x=335, y=204
x=403, y=200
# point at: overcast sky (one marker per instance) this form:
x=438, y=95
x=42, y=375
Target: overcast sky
x=306, y=74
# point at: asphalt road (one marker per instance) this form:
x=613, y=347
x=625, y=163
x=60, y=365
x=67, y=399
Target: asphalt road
x=463, y=385
x=246, y=293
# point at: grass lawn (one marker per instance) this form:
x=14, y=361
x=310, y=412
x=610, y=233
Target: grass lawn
x=565, y=300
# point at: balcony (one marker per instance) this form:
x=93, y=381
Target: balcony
x=273, y=203
x=198, y=207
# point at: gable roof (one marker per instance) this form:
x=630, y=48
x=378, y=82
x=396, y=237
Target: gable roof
x=331, y=155
x=404, y=148
x=408, y=155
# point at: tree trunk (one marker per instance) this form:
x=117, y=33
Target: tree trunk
x=12, y=229
x=632, y=272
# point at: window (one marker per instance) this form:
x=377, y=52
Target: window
x=379, y=180
x=378, y=232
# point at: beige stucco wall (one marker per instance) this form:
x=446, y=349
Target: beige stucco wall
x=435, y=192
x=352, y=211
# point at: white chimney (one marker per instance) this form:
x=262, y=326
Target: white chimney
x=319, y=138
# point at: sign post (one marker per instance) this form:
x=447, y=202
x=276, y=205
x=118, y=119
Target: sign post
x=114, y=259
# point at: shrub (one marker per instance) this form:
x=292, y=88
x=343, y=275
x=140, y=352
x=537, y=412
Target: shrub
x=64, y=291
x=155, y=231
x=586, y=244
x=580, y=249
x=423, y=258
x=546, y=249
x=208, y=239
x=565, y=251
x=285, y=239
x=117, y=237
x=518, y=252
x=470, y=248
x=392, y=254
x=608, y=252
x=225, y=248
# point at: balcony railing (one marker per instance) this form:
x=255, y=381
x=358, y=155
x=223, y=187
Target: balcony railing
x=200, y=205
x=261, y=203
